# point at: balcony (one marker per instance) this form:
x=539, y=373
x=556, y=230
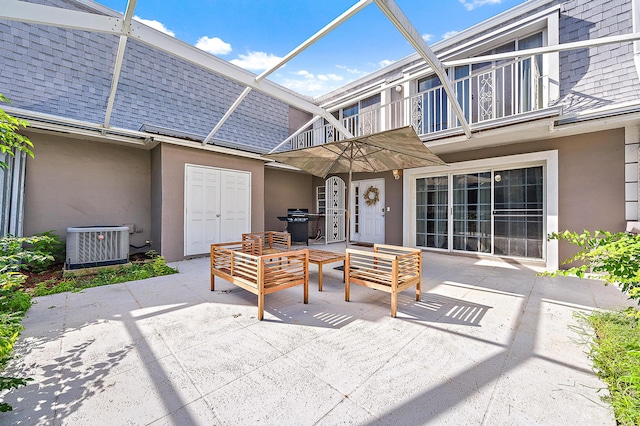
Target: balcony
x=488, y=92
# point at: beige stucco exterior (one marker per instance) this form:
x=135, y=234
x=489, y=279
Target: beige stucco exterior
x=78, y=182
x=283, y=190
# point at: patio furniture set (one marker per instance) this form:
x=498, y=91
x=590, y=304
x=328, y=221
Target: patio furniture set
x=263, y=263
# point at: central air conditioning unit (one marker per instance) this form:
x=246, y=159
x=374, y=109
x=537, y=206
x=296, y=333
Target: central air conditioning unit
x=93, y=246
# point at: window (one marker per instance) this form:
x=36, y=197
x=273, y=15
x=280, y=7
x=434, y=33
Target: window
x=486, y=90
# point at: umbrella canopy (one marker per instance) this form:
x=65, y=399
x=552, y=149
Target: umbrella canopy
x=393, y=149
x=379, y=152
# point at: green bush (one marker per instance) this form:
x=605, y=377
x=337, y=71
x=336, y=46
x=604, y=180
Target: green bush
x=18, y=253
x=14, y=302
x=47, y=244
x=10, y=140
x=12, y=298
x=612, y=258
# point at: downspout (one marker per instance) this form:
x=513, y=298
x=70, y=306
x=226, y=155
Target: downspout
x=635, y=12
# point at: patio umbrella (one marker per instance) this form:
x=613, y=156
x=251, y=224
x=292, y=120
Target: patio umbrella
x=379, y=152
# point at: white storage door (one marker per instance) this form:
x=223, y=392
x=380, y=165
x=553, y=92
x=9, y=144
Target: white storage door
x=236, y=196
x=217, y=207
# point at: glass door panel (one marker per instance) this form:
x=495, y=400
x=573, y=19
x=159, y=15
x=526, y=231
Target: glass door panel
x=472, y=212
x=431, y=212
x=518, y=212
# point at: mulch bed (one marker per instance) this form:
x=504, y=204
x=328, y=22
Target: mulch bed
x=54, y=273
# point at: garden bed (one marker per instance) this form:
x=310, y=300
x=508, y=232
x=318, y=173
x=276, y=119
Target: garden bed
x=55, y=279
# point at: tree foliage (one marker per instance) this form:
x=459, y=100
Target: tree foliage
x=10, y=140
x=612, y=258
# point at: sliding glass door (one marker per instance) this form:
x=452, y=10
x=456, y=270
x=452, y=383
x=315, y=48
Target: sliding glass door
x=432, y=208
x=472, y=212
x=492, y=211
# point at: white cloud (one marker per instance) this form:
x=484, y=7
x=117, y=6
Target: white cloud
x=155, y=25
x=311, y=84
x=385, y=63
x=350, y=70
x=330, y=77
x=256, y=61
x=470, y=5
x=213, y=45
x=427, y=37
x=304, y=73
x=449, y=34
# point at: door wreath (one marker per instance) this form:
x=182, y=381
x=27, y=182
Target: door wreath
x=371, y=196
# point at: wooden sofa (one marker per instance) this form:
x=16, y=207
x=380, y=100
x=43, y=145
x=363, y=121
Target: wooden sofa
x=388, y=268
x=269, y=241
x=259, y=274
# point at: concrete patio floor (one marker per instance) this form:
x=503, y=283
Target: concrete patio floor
x=489, y=343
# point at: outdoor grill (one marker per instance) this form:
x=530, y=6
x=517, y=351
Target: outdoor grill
x=297, y=225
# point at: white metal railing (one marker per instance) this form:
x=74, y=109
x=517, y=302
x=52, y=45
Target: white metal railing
x=490, y=92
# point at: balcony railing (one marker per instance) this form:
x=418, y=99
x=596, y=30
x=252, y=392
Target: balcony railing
x=489, y=92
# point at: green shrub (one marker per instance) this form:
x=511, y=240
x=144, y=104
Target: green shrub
x=14, y=302
x=612, y=258
x=10, y=140
x=12, y=296
x=17, y=253
x=47, y=244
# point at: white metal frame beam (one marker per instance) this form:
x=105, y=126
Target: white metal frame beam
x=117, y=67
x=47, y=15
x=317, y=36
x=32, y=13
x=294, y=134
x=292, y=54
x=125, y=28
x=226, y=115
x=406, y=28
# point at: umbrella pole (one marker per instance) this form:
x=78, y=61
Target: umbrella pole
x=348, y=210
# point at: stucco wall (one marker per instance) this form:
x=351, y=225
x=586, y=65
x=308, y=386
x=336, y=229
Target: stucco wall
x=590, y=174
x=284, y=190
x=73, y=182
x=173, y=160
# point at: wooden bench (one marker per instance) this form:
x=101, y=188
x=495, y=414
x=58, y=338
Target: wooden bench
x=269, y=241
x=259, y=274
x=388, y=268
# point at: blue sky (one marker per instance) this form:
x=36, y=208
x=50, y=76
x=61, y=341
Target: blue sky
x=255, y=33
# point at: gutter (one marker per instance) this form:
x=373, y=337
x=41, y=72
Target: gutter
x=142, y=139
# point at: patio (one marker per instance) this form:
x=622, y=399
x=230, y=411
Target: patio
x=489, y=343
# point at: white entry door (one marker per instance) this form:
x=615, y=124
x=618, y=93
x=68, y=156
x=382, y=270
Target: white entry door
x=217, y=207
x=369, y=210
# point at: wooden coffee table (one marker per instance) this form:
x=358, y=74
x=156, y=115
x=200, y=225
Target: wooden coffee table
x=322, y=257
